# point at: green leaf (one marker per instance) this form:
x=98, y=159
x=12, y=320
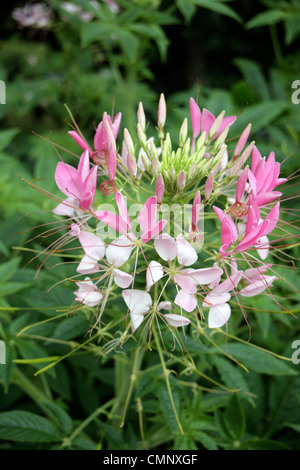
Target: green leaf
x=6, y=370
x=260, y=115
x=262, y=444
x=207, y=441
x=94, y=31
x=258, y=360
x=6, y=137
x=64, y=421
x=187, y=8
x=254, y=77
x=219, y=8
x=8, y=269
x=24, y=426
x=234, y=418
x=266, y=18
x=129, y=43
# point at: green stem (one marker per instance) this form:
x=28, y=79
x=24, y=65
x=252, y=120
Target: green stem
x=166, y=375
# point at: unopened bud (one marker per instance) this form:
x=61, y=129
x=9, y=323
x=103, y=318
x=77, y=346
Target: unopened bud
x=193, y=171
x=131, y=165
x=183, y=133
x=146, y=162
x=242, y=160
x=162, y=112
x=156, y=167
x=128, y=141
x=141, y=135
x=241, y=142
x=216, y=125
x=209, y=186
x=141, y=116
x=159, y=188
x=220, y=140
x=201, y=141
x=172, y=174
x=181, y=180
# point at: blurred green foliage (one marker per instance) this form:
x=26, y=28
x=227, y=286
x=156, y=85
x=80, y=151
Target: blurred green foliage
x=231, y=390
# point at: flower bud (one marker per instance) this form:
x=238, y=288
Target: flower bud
x=141, y=135
x=159, y=188
x=162, y=112
x=131, y=165
x=141, y=116
x=128, y=141
x=220, y=140
x=209, y=185
x=241, y=142
x=181, y=180
x=156, y=167
x=242, y=160
x=201, y=141
x=216, y=125
x=183, y=133
x=193, y=171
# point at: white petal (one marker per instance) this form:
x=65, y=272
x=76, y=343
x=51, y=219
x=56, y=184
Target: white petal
x=87, y=265
x=216, y=299
x=166, y=247
x=257, y=287
x=186, y=254
x=66, y=207
x=205, y=275
x=165, y=305
x=218, y=315
x=138, y=301
x=119, y=251
x=91, y=299
x=121, y=278
x=176, y=320
x=154, y=273
x=136, y=320
x=92, y=244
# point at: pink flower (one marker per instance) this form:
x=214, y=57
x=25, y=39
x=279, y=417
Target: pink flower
x=202, y=122
x=87, y=293
x=140, y=302
x=120, y=249
x=79, y=185
x=255, y=231
x=94, y=249
x=105, y=150
x=217, y=300
x=264, y=178
x=257, y=281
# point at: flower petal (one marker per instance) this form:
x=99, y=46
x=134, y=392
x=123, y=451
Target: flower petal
x=122, y=279
x=154, y=273
x=176, y=320
x=186, y=301
x=165, y=247
x=119, y=251
x=186, y=254
x=218, y=315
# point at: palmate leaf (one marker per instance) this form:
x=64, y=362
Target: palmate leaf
x=24, y=426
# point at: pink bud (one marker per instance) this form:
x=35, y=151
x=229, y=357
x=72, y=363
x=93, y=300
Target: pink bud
x=159, y=188
x=209, y=186
x=131, y=165
x=112, y=151
x=141, y=116
x=241, y=142
x=181, y=180
x=195, y=119
x=162, y=112
x=196, y=210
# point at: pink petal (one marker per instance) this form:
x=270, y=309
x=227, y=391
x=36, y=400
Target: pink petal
x=186, y=254
x=92, y=244
x=121, y=203
x=154, y=273
x=165, y=247
x=165, y=305
x=155, y=230
x=207, y=120
x=122, y=279
x=186, y=301
x=66, y=178
x=87, y=265
x=81, y=142
x=112, y=220
x=176, y=320
x=204, y=276
x=147, y=216
x=257, y=287
x=119, y=251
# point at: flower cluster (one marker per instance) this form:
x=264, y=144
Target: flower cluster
x=119, y=202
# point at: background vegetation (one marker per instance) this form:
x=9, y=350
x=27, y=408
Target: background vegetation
x=239, y=56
